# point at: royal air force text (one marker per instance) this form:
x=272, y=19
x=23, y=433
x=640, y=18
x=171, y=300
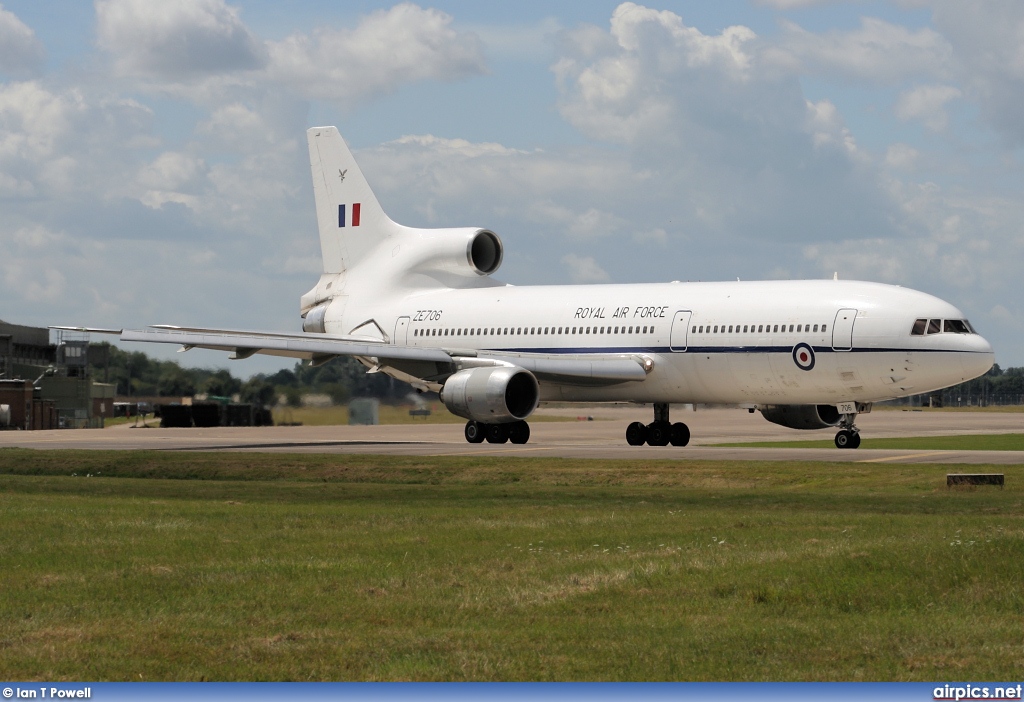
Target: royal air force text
x=642, y=312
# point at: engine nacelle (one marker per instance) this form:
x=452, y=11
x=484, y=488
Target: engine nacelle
x=494, y=395
x=802, y=416
x=462, y=252
x=313, y=321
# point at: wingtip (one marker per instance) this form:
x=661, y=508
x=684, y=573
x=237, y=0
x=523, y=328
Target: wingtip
x=85, y=330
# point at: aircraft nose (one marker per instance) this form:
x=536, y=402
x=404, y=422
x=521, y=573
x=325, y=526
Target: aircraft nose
x=980, y=356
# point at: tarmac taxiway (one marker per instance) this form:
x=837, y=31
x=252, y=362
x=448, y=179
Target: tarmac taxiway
x=582, y=433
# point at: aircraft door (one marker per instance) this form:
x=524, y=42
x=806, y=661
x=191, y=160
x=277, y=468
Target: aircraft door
x=842, y=330
x=402, y=331
x=680, y=325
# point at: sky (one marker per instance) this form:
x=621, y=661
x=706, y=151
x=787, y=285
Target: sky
x=154, y=170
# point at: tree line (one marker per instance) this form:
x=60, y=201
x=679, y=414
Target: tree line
x=137, y=375
x=997, y=387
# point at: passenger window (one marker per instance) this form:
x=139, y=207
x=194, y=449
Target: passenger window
x=824, y=327
x=760, y=328
x=791, y=327
x=918, y=328
x=934, y=326
x=815, y=327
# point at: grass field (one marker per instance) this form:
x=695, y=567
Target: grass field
x=161, y=565
x=961, y=442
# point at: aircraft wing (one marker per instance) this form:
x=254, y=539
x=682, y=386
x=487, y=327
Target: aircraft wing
x=431, y=364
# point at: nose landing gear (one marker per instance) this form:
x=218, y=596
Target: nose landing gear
x=660, y=432
x=848, y=437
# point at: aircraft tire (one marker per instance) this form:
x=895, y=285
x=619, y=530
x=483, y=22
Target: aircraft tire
x=679, y=434
x=855, y=443
x=658, y=433
x=497, y=433
x=519, y=432
x=475, y=432
x=636, y=434
x=844, y=439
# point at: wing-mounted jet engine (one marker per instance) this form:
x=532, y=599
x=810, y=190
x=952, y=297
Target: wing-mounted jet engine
x=817, y=417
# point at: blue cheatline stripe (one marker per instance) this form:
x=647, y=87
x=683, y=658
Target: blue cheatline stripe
x=341, y=215
x=692, y=350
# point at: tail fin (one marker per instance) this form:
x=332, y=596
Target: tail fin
x=350, y=219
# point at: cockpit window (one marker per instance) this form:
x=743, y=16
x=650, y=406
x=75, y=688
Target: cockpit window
x=940, y=326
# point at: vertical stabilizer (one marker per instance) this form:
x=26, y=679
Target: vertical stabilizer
x=350, y=219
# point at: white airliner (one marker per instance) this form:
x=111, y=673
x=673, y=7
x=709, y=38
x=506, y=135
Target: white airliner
x=421, y=306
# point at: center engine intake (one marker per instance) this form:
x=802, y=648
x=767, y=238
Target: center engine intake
x=802, y=416
x=491, y=395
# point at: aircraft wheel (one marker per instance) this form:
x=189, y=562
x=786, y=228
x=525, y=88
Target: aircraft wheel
x=679, y=434
x=519, y=432
x=657, y=433
x=497, y=433
x=636, y=434
x=855, y=443
x=844, y=439
x=474, y=432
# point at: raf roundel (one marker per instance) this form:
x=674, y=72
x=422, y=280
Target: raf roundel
x=803, y=357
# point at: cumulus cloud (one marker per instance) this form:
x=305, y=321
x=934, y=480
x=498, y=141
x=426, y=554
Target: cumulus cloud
x=877, y=52
x=176, y=40
x=927, y=103
x=202, y=50
x=988, y=42
x=626, y=84
x=901, y=156
x=58, y=143
x=21, y=52
x=584, y=269
x=730, y=141
x=388, y=48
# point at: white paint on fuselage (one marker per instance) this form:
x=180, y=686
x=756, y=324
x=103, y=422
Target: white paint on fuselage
x=716, y=367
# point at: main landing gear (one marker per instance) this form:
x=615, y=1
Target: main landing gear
x=660, y=432
x=848, y=437
x=516, y=432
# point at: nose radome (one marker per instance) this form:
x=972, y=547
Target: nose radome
x=981, y=356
